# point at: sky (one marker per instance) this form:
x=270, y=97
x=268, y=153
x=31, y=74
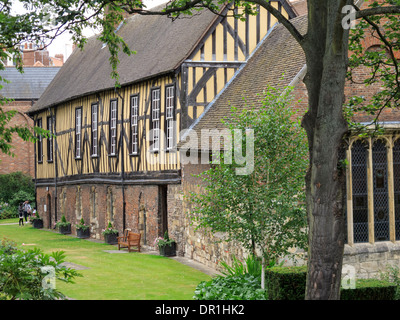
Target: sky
x=63, y=43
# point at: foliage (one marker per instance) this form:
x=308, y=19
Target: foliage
x=393, y=276
x=12, y=183
x=289, y=283
x=163, y=242
x=382, y=62
x=252, y=266
x=109, y=229
x=232, y=287
x=263, y=210
x=31, y=275
x=286, y=283
x=35, y=216
x=7, y=212
x=63, y=222
x=82, y=226
x=22, y=196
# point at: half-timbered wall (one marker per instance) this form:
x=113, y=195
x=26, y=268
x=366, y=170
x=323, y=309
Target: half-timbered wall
x=108, y=157
x=224, y=49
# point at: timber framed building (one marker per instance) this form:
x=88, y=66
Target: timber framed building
x=116, y=153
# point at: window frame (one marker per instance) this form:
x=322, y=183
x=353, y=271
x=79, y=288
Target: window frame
x=94, y=133
x=50, y=142
x=155, y=120
x=134, y=126
x=111, y=152
x=39, y=147
x=170, y=117
x=78, y=135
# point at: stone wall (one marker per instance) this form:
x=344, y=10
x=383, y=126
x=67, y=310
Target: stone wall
x=370, y=261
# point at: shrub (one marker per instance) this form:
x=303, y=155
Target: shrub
x=232, y=287
x=286, y=283
x=31, y=275
x=289, y=283
x=12, y=183
x=370, y=289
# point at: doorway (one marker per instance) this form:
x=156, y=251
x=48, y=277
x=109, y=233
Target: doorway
x=162, y=209
x=48, y=204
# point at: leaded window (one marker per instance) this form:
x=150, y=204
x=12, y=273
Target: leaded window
x=360, y=191
x=380, y=185
x=396, y=176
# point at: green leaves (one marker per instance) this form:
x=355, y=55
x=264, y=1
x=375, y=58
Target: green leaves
x=381, y=60
x=32, y=275
x=263, y=210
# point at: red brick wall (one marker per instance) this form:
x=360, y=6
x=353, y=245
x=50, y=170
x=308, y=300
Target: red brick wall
x=23, y=150
x=140, y=200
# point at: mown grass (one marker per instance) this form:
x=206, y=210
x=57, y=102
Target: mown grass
x=110, y=276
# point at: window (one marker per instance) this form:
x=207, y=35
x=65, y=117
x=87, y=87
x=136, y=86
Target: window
x=113, y=127
x=50, y=139
x=375, y=185
x=169, y=115
x=134, y=124
x=359, y=157
x=95, y=144
x=78, y=133
x=155, y=119
x=39, y=142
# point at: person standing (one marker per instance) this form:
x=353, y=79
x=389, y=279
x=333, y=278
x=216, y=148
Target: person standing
x=21, y=213
x=27, y=210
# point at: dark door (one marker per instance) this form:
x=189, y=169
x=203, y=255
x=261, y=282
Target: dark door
x=49, y=210
x=162, y=209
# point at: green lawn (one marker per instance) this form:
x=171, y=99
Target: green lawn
x=128, y=276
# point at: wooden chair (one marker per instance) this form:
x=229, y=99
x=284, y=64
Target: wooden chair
x=129, y=240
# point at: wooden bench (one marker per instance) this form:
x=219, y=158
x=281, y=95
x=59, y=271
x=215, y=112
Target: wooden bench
x=129, y=240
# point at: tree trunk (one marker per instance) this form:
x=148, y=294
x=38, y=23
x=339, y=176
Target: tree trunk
x=326, y=50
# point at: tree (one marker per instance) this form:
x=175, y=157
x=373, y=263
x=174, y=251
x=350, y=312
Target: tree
x=264, y=210
x=326, y=48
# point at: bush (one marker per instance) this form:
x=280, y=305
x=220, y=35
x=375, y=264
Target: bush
x=12, y=183
x=233, y=287
x=31, y=275
x=370, y=289
x=7, y=211
x=289, y=283
x=21, y=196
x=286, y=283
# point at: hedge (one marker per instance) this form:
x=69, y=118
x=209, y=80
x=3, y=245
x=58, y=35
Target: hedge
x=289, y=283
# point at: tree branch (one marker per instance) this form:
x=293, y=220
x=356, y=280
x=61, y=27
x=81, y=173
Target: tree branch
x=377, y=11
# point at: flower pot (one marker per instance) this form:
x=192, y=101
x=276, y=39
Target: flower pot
x=64, y=229
x=111, y=238
x=168, y=250
x=37, y=223
x=83, y=233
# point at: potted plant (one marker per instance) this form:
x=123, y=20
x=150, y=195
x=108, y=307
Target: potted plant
x=36, y=221
x=64, y=227
x=166, y=246
x=82, y=230
x=110, y=234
